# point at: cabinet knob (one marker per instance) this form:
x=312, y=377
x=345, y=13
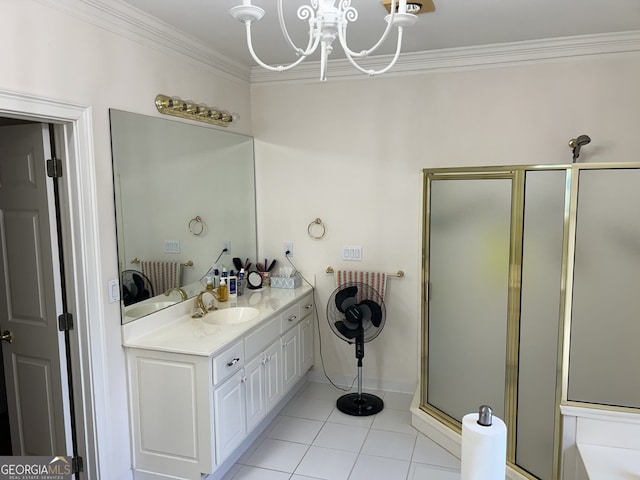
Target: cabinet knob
x=309, y=307
x=243, y=380
x=233, y=362
x=264, y=361
x=292, y=318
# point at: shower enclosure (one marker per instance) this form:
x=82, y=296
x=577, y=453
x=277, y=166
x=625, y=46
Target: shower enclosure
x=521, y=269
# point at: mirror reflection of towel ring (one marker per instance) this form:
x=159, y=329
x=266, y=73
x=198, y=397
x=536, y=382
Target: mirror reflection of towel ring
x=196, y=225
x=317, y=229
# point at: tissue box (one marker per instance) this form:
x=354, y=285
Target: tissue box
x=286, y=282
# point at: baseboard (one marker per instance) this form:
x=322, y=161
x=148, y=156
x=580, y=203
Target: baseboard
x=443, y=435
x=316, y=375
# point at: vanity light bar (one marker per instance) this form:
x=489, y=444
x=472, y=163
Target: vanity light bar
x=193, y=111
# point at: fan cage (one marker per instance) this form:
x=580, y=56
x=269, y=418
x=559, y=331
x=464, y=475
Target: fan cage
x=364, y=292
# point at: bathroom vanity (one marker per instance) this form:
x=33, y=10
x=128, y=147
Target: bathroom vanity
x=200, y=389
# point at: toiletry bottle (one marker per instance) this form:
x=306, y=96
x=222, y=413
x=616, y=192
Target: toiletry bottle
x=241, y=282
x=222, y=291
x=209, y=283
x=216, y=278
x=224, y=272
x=233, y=286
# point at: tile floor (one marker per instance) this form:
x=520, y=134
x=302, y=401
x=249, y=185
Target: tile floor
x=311, y=439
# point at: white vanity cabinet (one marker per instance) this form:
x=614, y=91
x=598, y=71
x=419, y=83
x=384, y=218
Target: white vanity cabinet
x=190, y=413
x=171, y=410
x=229, y=416
x=297, y=342
x=263, y=384
x=305, y=329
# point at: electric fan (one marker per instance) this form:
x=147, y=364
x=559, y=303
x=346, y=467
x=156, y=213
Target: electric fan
x=356, y=314
x=136, y=287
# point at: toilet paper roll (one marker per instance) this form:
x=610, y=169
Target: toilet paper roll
x=484, y=449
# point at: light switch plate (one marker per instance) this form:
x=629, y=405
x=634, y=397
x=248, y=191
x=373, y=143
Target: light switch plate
x=114, y=290
x=172, y=246
x=352, y=253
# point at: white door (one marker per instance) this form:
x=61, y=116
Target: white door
x=306, y=344
x=29, y=282
x=290, y=362
x=254, y=391
x=230, y=421
x=272, y=376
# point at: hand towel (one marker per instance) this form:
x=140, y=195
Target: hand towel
x=163, y=275
x=377, y=280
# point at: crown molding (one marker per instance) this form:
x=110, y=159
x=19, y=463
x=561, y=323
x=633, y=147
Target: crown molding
x=122, y=19
x=463, y=58
x=126, y=21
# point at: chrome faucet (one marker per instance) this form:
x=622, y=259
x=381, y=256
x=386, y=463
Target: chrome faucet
x=183, y=294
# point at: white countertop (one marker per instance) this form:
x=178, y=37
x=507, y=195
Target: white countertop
x=174, y=330
x=610, y=463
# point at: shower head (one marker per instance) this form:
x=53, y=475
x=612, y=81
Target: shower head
x=577, y=143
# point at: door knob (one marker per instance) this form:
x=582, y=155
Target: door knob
x=7, y=336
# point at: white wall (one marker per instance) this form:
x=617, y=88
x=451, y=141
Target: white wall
x=351, y=152
x=48, y=53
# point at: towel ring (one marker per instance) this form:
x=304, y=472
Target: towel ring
x=196, y=226
x=317, y=233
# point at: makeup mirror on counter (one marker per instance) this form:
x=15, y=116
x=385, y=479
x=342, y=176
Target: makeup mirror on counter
x=183, y=193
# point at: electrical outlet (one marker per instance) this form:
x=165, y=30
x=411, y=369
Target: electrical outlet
x=227, y=244
x=288, y=247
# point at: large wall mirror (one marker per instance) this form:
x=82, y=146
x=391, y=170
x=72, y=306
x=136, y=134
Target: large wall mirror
x=182, y=193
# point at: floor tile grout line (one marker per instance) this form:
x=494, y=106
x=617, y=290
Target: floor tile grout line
x=411, y=463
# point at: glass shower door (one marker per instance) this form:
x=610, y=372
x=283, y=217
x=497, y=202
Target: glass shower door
x=468, y=275
x=495, y=244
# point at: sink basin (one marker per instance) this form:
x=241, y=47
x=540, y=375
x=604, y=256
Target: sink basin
x=143, y=309
x=231, y=316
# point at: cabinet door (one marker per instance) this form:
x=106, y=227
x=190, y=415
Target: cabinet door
x=306, y=344
x=290, y=359
x=255, y=391
x=229, y=408
x=272, y=376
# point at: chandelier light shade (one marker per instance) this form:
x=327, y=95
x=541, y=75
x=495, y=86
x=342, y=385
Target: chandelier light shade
x=328, y=20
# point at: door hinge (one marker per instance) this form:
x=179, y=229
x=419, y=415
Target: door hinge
x=77, y=465
x=54, y=168
x=65, y=322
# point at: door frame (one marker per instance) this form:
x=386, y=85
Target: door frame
x=73, y=133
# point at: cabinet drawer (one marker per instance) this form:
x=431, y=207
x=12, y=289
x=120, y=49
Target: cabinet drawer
x=290, y=317
x=228, y=362
x=263, y=337
x=306, y=306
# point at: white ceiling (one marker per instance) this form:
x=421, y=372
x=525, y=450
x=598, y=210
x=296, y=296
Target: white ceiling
x=455, y=23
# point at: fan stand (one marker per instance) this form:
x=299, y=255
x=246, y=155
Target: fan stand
x=360, y=404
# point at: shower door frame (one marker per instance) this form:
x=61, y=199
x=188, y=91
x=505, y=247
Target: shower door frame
x=517, y=174
x=515, y=275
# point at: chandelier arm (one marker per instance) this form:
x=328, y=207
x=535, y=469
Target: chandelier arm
x=285, y=32
x=371, y=73
x=279, y=68
x=364, y=53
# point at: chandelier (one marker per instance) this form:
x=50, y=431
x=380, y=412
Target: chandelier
x=327, y=21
